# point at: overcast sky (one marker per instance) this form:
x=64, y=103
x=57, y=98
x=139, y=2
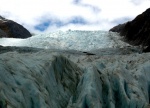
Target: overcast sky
x=40, y=16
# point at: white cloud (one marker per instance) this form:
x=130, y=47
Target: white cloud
x=98, y=13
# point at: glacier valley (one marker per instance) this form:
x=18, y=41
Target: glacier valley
x=73, y=69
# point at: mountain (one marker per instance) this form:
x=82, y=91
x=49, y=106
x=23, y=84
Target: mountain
x=76, y=69
x=9, y=28
x=137, y=31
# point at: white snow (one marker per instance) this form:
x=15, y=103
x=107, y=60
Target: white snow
x=76, y=40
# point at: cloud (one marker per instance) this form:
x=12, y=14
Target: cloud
x=40, y=16
x=58, y=23
x=76, y=1
x=138, y=2
x=121, y=20
x=95, y=9
x=43, y=26
x=77, y=20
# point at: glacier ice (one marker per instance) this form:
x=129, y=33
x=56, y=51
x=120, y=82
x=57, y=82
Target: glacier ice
x=72, y=79
x=74, y=40
x=103, y=74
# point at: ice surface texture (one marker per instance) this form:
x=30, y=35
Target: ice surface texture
x=32, y=78
x=76, y=40
x=112, y=77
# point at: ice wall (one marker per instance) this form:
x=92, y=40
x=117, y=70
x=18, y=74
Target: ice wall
x=76, y=40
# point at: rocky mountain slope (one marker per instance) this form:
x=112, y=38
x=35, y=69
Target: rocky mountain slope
x=9, y=28
x=137, y=31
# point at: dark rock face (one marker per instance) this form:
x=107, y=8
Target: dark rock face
x=9, y=28
x=2, y=33
x=118, y=28
x=136, y=31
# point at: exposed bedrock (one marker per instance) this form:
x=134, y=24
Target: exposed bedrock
x=137, y=31
x=71, y=79
x=11, y=29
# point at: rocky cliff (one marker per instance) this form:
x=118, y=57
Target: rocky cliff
x=9, y=28
x=105, y=78
x=137, y=31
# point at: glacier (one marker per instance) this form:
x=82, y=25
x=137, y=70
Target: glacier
x=69, y=40
x=73, y=69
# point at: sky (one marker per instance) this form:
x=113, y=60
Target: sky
x=43, y=16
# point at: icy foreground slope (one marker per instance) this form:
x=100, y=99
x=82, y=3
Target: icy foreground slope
x=76, y=40
x=107, y=78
